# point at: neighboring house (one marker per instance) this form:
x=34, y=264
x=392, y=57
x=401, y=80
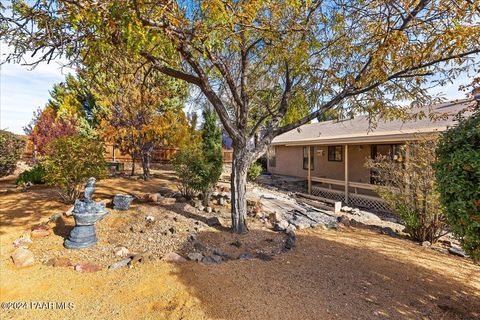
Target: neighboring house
x=336, y=152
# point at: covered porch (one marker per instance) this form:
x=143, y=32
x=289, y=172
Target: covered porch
x=338, y=172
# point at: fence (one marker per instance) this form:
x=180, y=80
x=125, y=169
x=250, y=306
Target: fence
x=113, y=154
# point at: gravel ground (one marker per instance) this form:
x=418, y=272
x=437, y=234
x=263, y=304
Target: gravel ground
x=331, y=274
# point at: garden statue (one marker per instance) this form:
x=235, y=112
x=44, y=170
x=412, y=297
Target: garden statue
x=86, y=212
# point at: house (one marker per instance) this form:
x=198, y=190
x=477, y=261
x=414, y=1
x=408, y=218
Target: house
x=336, y=151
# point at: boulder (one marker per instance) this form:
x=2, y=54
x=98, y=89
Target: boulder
x=87, y=267
x=195, y=256
x=214, y=221
x=173, y=257
x=23, y=257
x=41, y=231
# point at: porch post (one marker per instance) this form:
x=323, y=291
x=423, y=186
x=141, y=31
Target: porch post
x=407, y=160
x=309, y=174
x=346, y=173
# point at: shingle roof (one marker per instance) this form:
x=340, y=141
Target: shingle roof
x=358, y=129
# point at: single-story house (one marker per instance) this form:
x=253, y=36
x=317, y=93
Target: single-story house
x=336, y=151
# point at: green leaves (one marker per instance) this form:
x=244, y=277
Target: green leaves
x=458, y=174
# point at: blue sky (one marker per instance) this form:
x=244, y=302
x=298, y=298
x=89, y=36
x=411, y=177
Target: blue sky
x=23, y=90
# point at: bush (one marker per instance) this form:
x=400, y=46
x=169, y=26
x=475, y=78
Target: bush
x=36, y=175
x=187, y=164
x=199, y=166
x=70, y=161
x=254, y=171
x=458, y=175
x=11, y=149
x=409, y=188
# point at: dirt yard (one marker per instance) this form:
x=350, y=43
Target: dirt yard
x=330, y=274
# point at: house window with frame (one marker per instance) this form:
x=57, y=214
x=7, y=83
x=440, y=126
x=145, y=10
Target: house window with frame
x=305, y=158
x=335, y=153
x=272, y=158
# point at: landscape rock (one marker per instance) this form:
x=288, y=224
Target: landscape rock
x=23, y=257
x=264, y=257
x=140, y=257
x=120, y=264
x=291, y=240
x=41, y=231
x=173, y=257
x=221, y=201
x=456, y=250
x=208, y=209
x=214, y=221
x=344, y=221
x=121, y=251
x=245, y=256
x=69, y=212
x=23, y=241
x=122, y=202
x=55, y=217
x=281, y=225
x=275, y=217
x=388, y=231
x=149, y=219
x=213, y=259
x=87, y=267
x=200, y=207
x=346, y=209
x=195, y=256
x=167, y=201
x=426, y=244
x=59, y=262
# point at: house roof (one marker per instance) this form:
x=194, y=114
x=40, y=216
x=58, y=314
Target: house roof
x=359, y=130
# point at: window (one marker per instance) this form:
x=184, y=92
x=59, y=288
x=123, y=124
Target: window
x=335, y=153
x=305, y=158
x=272, y=158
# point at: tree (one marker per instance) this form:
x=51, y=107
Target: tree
x=211, y=152
x=70, y=161
x=11, y=149
x=199, y=163
x=458, y=175
x=408, y=185
x=144, y=107
x=253, y=59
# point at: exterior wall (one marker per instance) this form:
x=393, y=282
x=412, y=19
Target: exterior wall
x=289, y=162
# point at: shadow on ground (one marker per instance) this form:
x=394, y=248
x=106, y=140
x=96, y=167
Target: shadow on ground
x=325, y=279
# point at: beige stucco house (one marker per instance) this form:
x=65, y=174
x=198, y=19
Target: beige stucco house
x=336, y=151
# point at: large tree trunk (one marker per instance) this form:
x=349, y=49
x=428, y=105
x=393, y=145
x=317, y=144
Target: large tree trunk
x=133, y=164
x=238, y=190
x=146, y=165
